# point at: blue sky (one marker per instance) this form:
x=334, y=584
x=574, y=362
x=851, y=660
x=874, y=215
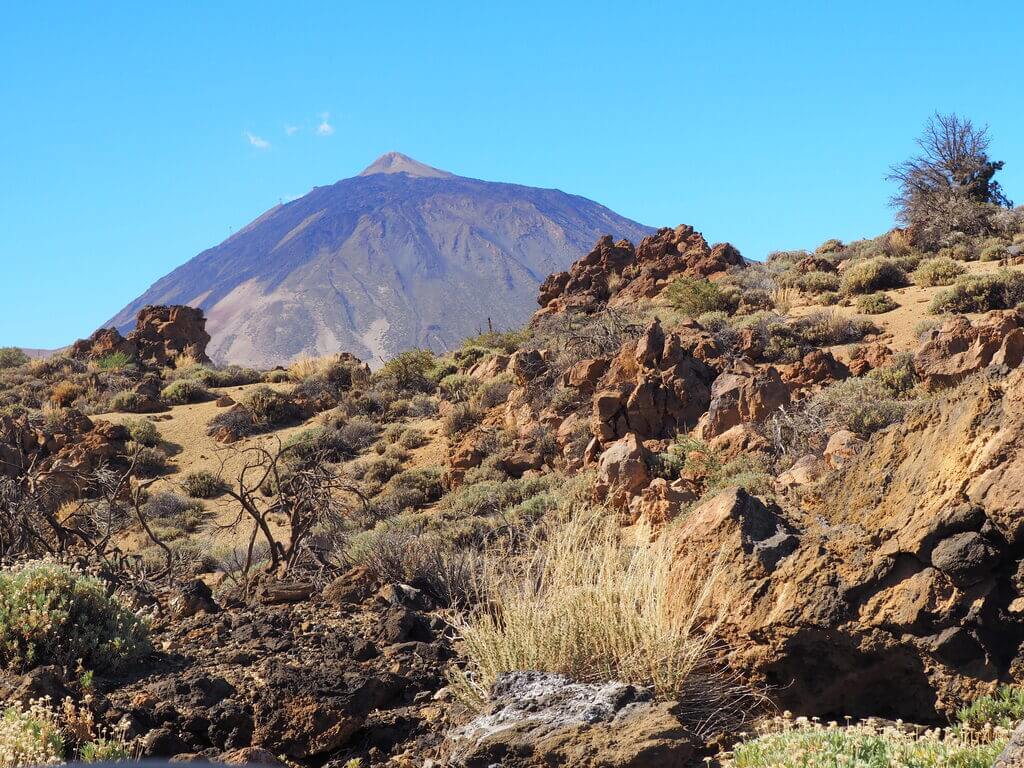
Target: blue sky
x=134, y=135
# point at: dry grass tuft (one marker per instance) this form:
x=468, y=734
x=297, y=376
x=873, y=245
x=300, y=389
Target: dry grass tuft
x=594, y=607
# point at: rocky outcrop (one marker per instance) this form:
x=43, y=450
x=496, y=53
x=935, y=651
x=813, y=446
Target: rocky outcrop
x=64, y=455
x=958, y=348
x=616, y=273
x=653, y=389
x=161, y=334
x=895, y=587
x=742, y=395
x=542, y=720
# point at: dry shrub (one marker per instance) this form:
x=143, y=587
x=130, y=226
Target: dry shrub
x=940, y=270
x=591, y=606
x=872, y=275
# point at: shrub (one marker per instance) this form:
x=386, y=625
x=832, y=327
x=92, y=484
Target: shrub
x=981, y=293
x=143, y=431
x=458, y=387
x=238, y=421
x=184, y=391
x=12, y=357
x=800, y=743
x=172, y=509
x=829, y=326
x=409, y=371
x=872, y=275
x=818, y=282
x=148, y=461
x=230, y=376
x=115, y=361
x=494, y=392
x=588, y=605
x=1005, y=709
x=64, y=393
x=427, y=561
x=125, y=402
x=50, y=614
x=463, y=417
x=30, y=736
x=862, y=405
x=202, y=484
x=994, y=252
x=268, y=406
x=876, y=304
x=277, y=376
x=413, y=438
x=693, y=296
x=941, y=270
x=424, y=484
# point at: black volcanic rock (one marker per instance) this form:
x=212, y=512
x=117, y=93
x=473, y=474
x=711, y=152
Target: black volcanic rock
x=402, y=255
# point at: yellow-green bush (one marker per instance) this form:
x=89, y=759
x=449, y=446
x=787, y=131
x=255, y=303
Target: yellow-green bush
x=940, y=270
x=51, y=614
x=870, y=275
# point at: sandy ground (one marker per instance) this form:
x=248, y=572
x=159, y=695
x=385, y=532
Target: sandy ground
x=183, y=433
x=898, y=326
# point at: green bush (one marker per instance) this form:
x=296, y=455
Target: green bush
x=1005, y=708
x=202, y=484
x=143, y=432
x=268, y=406
x=693, y=296
x=875, y=304
x=458, y=387
x=184, y=391
x=870, y=275
x=494, y=392
x=994, y=252
x=12, y=357
x=125, y=402
x=818, y=282
x=940, y=270
x=981, y=293
x=50, y=614
x=462, y=418
x=115, y=361
x=809, y=744
x=410, y=371
x=413, y=438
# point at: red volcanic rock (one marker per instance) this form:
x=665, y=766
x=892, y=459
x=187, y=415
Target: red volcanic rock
x=958, y=348
x=617, y=273
x=161, y=333
x=743, y=395
x=655, y=389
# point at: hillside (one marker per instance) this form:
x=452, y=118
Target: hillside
x=402, y=255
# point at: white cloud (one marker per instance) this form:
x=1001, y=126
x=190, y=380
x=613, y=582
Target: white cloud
x=256, y=141
x=291, y=130
x=325, y=128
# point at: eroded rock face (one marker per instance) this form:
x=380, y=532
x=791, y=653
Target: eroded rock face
x=655, y=389
x=543, y=720
x=958, y=348
x=903, y=595
x=161, y=333
x=743, y=395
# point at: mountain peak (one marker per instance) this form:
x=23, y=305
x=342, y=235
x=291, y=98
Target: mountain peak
x=396, y=162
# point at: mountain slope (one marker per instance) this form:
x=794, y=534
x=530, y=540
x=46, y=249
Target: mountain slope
x=402, y=255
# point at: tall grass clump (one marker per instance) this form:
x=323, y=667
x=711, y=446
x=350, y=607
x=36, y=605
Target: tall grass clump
x=51, y=614
x=591, y=606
